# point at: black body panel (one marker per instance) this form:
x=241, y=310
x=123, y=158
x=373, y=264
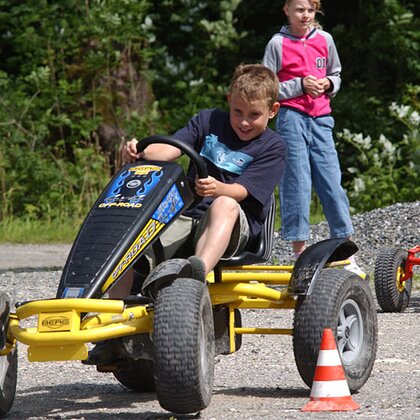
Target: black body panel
x=141, y=199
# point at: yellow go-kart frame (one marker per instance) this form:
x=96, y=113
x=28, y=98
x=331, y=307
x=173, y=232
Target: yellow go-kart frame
x=169, y=334
x=63, y=329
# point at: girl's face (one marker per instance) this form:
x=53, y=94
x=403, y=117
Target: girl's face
x=301, y=15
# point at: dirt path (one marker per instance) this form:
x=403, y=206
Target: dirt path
x=34, y=256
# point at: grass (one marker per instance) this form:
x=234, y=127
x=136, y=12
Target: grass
x=25, y=230
x=21, y=231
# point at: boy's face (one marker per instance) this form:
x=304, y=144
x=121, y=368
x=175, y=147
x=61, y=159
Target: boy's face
x=249, y=119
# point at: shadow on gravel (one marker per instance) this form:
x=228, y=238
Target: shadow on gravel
x=414, y=304
x=84, y=401
x=90, y=401
x=265, y=392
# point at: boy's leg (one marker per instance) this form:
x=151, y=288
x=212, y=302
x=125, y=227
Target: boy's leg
x=214, y=234
x=295, y=186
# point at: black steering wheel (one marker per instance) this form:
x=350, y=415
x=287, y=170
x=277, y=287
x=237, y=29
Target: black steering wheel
x=195, y=158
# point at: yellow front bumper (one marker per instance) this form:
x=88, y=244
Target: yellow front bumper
x=62, y=334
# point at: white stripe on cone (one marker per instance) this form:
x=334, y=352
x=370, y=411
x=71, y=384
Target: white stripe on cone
x=329, y=358
x=322, y=389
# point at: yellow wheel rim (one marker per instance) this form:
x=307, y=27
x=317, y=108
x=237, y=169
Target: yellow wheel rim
x=400, y=285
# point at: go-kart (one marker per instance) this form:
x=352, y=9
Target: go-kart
x=393, y=277
x=168, y=330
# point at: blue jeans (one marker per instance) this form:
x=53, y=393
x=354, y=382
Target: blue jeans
x=311, y=161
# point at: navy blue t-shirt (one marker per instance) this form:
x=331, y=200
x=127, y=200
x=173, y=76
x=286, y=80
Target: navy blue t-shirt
x=257, y=164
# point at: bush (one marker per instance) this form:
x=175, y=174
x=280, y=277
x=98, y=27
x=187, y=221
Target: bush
x=387, y=171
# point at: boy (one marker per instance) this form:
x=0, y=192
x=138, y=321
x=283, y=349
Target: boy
x=245, y=161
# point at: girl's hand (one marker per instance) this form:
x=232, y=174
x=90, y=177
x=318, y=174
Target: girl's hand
x=326, y=83
x=313, y=87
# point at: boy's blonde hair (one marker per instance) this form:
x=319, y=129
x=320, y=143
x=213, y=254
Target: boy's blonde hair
x=255, y=82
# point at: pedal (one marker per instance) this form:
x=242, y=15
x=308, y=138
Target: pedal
x=110, y=367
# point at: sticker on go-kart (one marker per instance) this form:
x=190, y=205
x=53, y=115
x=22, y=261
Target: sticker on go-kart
x=132, y=187
x=134, y=183
x=170, y=206
x=73, y=292
x=146, y=235
x=166, y=211
x=116, y=186
x=144, y=169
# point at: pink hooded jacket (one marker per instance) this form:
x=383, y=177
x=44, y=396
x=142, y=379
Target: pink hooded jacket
x=293, y=58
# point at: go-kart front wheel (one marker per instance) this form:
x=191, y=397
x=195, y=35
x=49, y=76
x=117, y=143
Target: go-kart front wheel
x=8, y=363
x=184, y=347
x=391, y=294
x=342, y=301
x=8, y=378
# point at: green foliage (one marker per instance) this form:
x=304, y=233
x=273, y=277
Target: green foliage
x=77, y=78
x=71, y=66
x=198, y=41
x=67, y=72
x=378, y=43
x=42, y=186
x=386, y=171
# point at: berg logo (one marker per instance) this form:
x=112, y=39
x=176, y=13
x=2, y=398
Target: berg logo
x=56, y=322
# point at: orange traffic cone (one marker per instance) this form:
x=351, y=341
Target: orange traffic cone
x=330, y=391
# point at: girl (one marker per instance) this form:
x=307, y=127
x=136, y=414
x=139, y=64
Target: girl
x=306, y=62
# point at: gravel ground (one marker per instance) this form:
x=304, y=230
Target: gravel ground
x=394, y=226
x=260, y=380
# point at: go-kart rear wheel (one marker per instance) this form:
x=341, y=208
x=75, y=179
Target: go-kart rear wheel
x=137, y=375
x=340, y=300
x=391, y=294
x=184, y=347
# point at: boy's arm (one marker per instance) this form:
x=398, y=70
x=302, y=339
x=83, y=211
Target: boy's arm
x=156, y=151
x=211, y=187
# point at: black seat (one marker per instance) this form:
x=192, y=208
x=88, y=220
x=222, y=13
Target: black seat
x=259, y=250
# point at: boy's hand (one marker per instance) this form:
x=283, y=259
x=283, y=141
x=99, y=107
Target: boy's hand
x=206, y=187
x=129, y=151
